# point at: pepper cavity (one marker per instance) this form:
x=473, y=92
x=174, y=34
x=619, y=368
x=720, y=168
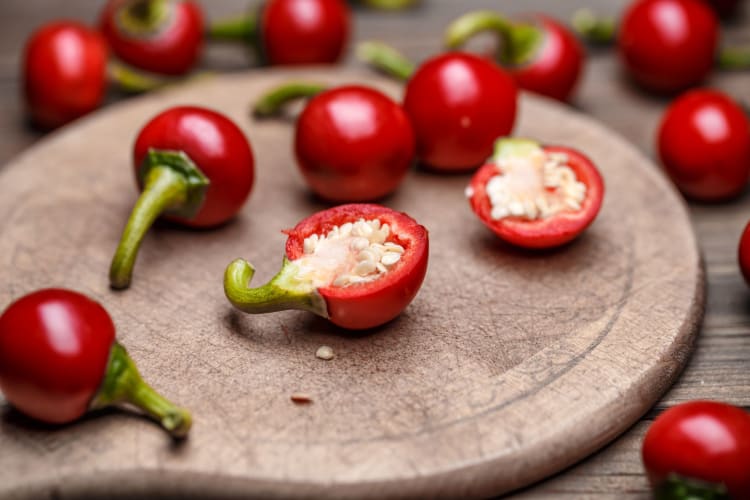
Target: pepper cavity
x=358, y=265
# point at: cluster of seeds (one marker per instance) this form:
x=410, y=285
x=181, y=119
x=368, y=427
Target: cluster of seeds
x=367, y=254
x=535, y=189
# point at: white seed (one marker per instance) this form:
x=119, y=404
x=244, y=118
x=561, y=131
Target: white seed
x=393, y=247
x=342, y=280
x=516, y=208
x=325, y=352
x=390, y=258
x=364, y=268
x=381, y=268
x=359, y=243
x=368, y=255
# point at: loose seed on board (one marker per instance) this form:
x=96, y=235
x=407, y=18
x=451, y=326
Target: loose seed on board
x=325, y=352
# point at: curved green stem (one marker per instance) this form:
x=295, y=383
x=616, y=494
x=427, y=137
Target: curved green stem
x=593, y=29
x=391, y=4
x=236, y=28
x=171, y=183
x=519, y=40
x=132, y=81
x=270, y=103
x=123, y=384
x=284, y=291
x=386, y=59
x=734, y=58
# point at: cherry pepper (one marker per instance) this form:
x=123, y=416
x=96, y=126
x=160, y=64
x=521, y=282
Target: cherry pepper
x=536, y=196
x=352, y=143
x=64, y=73
x=162, y=36
x=699, y=450
x=59, y=359
x=291, y=31
x=358, y=265
x=541, y=54
x=195, y=166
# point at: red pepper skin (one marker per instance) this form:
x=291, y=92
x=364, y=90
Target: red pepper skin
x=704, y=145
x=219, y=149
x=668, y=45
x=556, y=66
x=173, y=50
x=54, y=349
x=459, y=104
x=541, y=233
x=353, y=143
x=64, y=68
x=701, y=440
x=743, y=254
x=371, y=304
x=304, y=31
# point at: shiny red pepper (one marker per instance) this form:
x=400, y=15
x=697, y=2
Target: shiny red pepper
x=543, y=231
x=459, y=104
x=352, y=143
x=64, y=73
x=59, y=359
x=292, y=31
x=355, y=306
x=668, y=45
x=704, y=144
x=699, y=449
x=540, y=53
x=743, y=254
x=162, y=36
x=195, y=166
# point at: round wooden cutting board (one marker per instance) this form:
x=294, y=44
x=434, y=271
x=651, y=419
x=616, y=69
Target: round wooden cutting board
x=507, y=367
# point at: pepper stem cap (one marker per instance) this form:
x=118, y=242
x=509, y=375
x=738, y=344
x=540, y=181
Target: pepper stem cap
x=385, y=58
x=271, y=103
x=594, y=29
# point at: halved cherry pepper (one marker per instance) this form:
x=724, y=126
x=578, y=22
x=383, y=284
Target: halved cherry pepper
x=699, y=449
x=195, y=166
x=64, y=73
x=540, y=53
x=162, y=36
x=352, y=143
x=536, y=196
x=291, y=31
x=59, y=359
x=358, y=265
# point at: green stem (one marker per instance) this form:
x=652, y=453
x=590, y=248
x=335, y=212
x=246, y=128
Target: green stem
x=386, y=59
x=123, y=384
x=236, y=28
x=270, y=103
x=391, y=4
x=734, y=58
x=284, y=291
x=597, y=30
x=519, y=40
x=679, y=488
x=144, y=17
x=131, y=81
x=164, y=188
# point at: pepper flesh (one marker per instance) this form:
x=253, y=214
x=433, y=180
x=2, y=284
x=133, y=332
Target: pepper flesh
x=356, y=306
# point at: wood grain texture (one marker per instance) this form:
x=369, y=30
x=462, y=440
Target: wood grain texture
x=508, y=367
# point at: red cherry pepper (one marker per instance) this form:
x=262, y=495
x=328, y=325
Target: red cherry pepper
x=541, y=54
x=64, y=69
x=352, y=143
x=162, y=36
x=668, y=45
x=195, y=166
x=743, y=254
x=704, y=145
x=459, y=104
x=512, y=219
x=325, y=281
x=59, y=359
x=292, y=31
x=699, y=449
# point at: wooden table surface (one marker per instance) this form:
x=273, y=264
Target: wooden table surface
x=720, y=367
